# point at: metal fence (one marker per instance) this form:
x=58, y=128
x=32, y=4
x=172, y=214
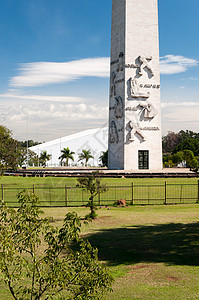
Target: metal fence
x=134, y=194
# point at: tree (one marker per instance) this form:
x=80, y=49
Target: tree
x=32, y=158
x=188, y=156
x=170, y=141
x=187, y=144
x=44, y=157
x=178, y=157
x=67, y=155
x=10, y=150
x=85, y=155
x=94, y=186
x=39, y=261
x=104, y=158
x=191, y=161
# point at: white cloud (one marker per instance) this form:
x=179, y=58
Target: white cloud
x=177, y=104
x=43, y=73
x=173, y=64
x=42, y=98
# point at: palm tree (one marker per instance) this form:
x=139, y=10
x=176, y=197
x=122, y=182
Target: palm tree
x=85, y=154
x=66, y=154
x=104, y=158
x=44, y=157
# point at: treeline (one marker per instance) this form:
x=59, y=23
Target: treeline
x=181, y=147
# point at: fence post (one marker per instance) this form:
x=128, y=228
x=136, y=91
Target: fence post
x=165, y=193
x=198, y=192
x=33, y=188
x=2, y=192
x=132, y=198
x=99, y=199
x=66, y=196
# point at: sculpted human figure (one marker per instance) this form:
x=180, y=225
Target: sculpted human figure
x=114, y=137
x=148, y=110
x=118, y=108
x=135, y=91
x=120, y=66
x=145, y=64
x=134, y=128
x=113, y=86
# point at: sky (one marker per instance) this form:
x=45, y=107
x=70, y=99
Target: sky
x=54, y=66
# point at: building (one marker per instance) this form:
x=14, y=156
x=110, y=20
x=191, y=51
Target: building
x=95, y=140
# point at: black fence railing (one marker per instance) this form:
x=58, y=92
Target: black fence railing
x=134, y=194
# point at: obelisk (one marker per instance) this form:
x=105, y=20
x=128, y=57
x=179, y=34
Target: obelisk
x=135, y=141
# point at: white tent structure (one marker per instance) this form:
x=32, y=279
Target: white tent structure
x=95, y=140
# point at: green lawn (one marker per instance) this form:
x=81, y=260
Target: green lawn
x=56, y=191
x=152, y=251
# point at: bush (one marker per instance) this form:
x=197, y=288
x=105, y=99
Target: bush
x=38, y=261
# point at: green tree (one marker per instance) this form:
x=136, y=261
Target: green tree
x=188, y=156
x=32, y=157
x=191, y=161
x=178, y=157
x=10, y=150
x=104, y=158
x=188, y=144
x=85, y=155
x=66, y=155
x=39, y=261
x=94, y=186
x=44, y=157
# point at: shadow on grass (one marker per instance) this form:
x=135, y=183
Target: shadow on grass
x=176, y=244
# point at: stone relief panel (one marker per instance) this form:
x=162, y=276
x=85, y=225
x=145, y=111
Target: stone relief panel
x=113, y=84
x=134, y=129
x=114, y=136
x=118, y=108
x=134, y=90
x=147, y=111
x=144, y=64
x=120, y=66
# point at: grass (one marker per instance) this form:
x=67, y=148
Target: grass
x=151, y=251
x=52, y=190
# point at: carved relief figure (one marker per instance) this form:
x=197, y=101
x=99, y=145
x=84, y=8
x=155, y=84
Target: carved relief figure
x=134, y=128
x=134, y=89
x=118, y=108
x=113, y=85
x=120, y=65
x=145, y=64
x=148, y=110
x=114, y=137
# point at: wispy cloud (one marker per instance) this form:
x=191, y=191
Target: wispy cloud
x=177, y=104
x=43, y=98
x=173, y=64
x=44, y=73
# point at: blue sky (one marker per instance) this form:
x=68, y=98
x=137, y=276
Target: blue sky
x=54, y=58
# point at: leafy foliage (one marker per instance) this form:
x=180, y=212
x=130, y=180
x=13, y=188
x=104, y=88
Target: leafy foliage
x=32, y=157
x=183, y=140
x=104, y=158
x=44, y=157
x=66, y=155
x=9, y=150
x=39, y=261
x=94, y=186
x=85, y=155
x=188, y=144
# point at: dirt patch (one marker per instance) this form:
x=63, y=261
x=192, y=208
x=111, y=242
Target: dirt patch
x=138, y=267
x=172, y=278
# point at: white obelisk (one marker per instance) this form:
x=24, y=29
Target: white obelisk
x=135, y=141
